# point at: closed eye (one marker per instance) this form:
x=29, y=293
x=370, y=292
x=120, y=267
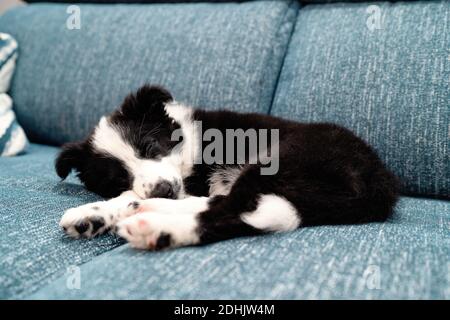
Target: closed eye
x=148, y=150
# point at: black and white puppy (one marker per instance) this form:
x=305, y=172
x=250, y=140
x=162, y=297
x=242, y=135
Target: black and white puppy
x=162, y=198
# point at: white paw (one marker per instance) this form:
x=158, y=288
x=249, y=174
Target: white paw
x=156, y=230
x=95, y=218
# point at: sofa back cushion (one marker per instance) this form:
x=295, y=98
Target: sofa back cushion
x=389, y=82
x=213, y=55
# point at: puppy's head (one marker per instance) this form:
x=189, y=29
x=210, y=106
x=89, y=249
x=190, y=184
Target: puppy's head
x=131, y=149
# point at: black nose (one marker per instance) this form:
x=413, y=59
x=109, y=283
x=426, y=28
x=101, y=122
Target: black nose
x=163, y=189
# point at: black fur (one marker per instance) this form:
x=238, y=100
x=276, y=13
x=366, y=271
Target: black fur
x=327, y=173
x=99, y=172
x=144, y=122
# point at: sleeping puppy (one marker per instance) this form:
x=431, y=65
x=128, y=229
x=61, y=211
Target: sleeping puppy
x=173, y=180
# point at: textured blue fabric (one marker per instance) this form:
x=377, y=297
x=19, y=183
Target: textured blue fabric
x=409, y=255
x=411, y=252
x=215, y=55
x=138, y=1
x=391, y=86
x=229, y=55
x=368, y=2
x=182, y=1
x=33, y=249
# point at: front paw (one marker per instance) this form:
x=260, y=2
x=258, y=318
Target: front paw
x=85, y=221
x=156, y=231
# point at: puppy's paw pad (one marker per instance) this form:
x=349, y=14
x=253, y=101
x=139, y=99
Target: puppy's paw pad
x=79, y=222
x=144, y=233
x=81, y=227
x=156, y=230
x=164, y=241
x=97, y=223
x=134, y=205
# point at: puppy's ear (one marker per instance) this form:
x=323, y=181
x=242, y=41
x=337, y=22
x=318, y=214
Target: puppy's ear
x=147, y=100
x=72, y=156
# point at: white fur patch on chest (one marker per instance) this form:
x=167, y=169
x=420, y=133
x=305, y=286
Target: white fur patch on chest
x=221, y=181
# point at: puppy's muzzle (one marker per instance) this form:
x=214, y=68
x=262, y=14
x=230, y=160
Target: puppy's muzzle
x=165, y=189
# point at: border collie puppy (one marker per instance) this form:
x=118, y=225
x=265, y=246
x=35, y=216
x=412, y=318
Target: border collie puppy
x=162, y=198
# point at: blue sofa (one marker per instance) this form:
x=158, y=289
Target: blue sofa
x=379, y=68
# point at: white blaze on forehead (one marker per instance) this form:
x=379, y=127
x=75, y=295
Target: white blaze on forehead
x=108, y=139
x=190, y=150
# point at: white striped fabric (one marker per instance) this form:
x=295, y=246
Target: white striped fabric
x=12, y=137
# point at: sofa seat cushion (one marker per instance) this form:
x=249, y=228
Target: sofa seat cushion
x=225, y=55
x=33, y=249
x=404, y=258
x=389, y=82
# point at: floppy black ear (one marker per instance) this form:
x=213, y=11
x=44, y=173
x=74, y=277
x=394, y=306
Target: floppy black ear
x=147, y=100
x=71, y=157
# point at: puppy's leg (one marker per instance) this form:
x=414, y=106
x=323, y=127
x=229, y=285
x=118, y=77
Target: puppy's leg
x=96, y=218
x=245, y=211
x=187, y=205
x=160, y=220
x=158, y=230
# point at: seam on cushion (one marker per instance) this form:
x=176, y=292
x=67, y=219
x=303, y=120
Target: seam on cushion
x=285, y=49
